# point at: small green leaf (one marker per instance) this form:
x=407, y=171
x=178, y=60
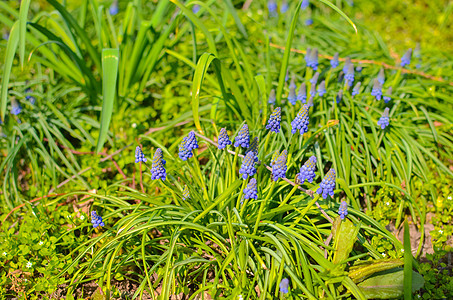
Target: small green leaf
x=344, y=241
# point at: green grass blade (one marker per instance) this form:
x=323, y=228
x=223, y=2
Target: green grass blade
x=407, y=263
x=110, y=59
x=11, y=48
x=24, y=5
x=335, y=8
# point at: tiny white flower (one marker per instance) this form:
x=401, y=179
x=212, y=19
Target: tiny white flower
x=68, y=216
x=29, y=264
x=449, y=198
x=4, y=253
x=441, y=231
x=387, y=203
x=82, y=217
x=383, y=254
x=418, y=296
x=40, y=243
x=240, y=297
x=134, y=125
x=402, y=250
x=26, y=279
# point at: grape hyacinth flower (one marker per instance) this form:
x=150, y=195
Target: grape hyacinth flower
x=15, y=107
x=359, y=68
x=322, y=88
x=304, y=4
x=274, y=120
x=287, y=75
x=349, y=77
x=196, y=8
x=284, y=285
x=30, y=97
x=113, y=10
x=224, y=139
x=254, y=148
x=139, y=156
x=188, y=144
x=292, y=92
x=343, y=211
x=327, y=185
x=96, y=220
x=313, y=90
x=313, y=59
x=310, y=102
x=251, y=191
x=248, y=165
x=302, y=94
x=272, y=7
x=334, y=61
x=307, y=171
x=381, y=76
x=339, y=96
x=185, y=193
x=384, y=121
x=272, y=97
x=243, y=138
x=356, y=89
x=158, y=167
x=406, y=59
x=191, y=142
x=279, y=165
x=301, y=121
x=389, y=93
x=377, y=90
x=308, y=22
x=314, y=79
x=347, y=63
x=284, y=7
x=307, y=55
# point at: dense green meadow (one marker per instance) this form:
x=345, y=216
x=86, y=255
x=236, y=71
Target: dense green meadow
x=226, y=149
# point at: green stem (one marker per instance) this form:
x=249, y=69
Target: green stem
x=260, y=212
x=202, y=183
x=238, y=201
x=293, y=190
x=234, y=163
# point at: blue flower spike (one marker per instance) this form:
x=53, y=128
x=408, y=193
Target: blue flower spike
x=384, y=120
x=279, y=166
x=96, y=220
x=313, y=59
x=29, y=97
x=322, y=88
x=254, y=148
x=185, y=193
x=243, y=138
x=308, y=22
x=304, y=4
x=314, y=79
x=248, y=165
x=284, y=285
x=224, y=139
x=327, y=185
x=381, y=76
x=343, y=211
x=292, y=92
x=307, y=171
x=307, y=55
x=334, y=61
x=313, y=90
x=272, y=7
x=114, y=9
x=339, y=96
x=15, y=107
x=274, y=120
x=251, y=191
x=139, y=156
x=356, y=89
x=302, y=93
x=346, y=65
x=158, y=167
x=406, y=59
x=188, y=144
x=301, y=121
x=377, y=90
x=272, y=97
x=388, y=97
x=284, y=7
x=349, y=77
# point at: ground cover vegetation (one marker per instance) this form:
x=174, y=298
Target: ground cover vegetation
x=226, y=149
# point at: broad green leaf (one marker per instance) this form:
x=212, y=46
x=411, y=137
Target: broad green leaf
x=360, y=272
x=110, y=59
x=344, y=241
x=407, y=263
x=389, y=285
